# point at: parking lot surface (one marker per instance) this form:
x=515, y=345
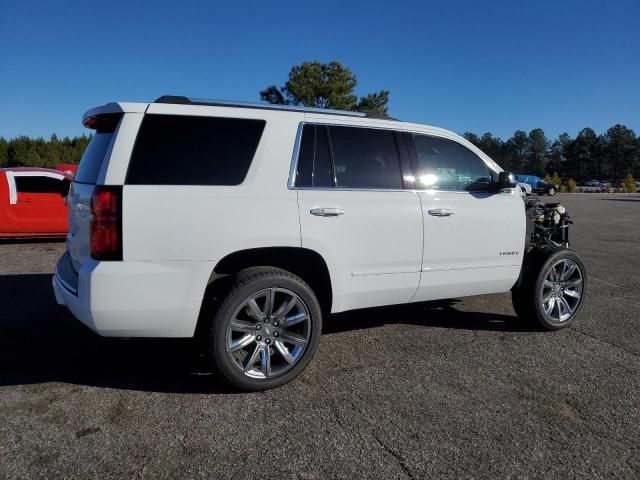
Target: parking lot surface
x=452, y=389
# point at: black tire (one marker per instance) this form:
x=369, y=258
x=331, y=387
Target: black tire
x=250, y=282
x=551, y=192
x=527, y=296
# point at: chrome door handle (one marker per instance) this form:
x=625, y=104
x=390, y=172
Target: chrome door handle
x=326, y=212
x=441, y=212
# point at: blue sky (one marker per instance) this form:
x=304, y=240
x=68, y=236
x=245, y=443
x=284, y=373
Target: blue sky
x=474, y=66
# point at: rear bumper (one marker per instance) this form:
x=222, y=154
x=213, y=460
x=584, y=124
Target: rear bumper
x=136, y=299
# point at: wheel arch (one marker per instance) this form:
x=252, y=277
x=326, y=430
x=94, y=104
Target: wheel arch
x=303, y=262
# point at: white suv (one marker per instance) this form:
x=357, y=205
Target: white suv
x=247, y=223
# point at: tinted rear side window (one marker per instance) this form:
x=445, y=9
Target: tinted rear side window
x=37, y=184
x=181, y=150
x=93, y=156
x=365, y=158
x=314, y=164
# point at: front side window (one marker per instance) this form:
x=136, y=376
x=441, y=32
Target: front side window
x=365, y=158
x=183, y=150
x=443, y=164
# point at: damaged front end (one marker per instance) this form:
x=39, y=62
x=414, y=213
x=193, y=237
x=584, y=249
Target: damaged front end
x=552, y=286
x=550, y=224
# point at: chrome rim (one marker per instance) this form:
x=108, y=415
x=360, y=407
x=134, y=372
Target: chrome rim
x=562, y=290
x=268, y=333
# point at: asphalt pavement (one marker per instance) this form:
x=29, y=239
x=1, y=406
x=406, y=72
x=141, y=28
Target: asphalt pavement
x=452, y=389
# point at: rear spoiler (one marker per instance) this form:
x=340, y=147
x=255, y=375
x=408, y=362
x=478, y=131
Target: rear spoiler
x=113, y=108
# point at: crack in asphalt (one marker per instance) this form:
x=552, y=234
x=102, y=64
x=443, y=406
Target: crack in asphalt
x=595, y=277
x=620, y=347
x=373, y=423
x=399, y=459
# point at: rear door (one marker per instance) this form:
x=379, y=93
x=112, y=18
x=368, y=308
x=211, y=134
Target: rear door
x=355, y=213
x=473, y=236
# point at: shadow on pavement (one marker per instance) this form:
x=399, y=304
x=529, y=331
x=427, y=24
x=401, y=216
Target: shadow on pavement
x=441, y=314
x=630, y=199
x=41, y=342
x=6, y=241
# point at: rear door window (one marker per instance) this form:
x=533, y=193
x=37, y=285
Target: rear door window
x=365, y=158
x=314, y=164
x=185, y=150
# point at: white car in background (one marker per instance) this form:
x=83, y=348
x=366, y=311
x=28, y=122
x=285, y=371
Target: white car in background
x=525, y=188
x=597, y=184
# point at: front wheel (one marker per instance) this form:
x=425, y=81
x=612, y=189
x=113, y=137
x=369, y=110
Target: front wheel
x=266, y=329
x=551, y=192
x=553, y=288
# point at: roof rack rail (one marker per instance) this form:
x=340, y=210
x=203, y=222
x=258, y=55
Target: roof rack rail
x=182, y=100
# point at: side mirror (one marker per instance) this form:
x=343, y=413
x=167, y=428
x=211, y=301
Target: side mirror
x=505, y=180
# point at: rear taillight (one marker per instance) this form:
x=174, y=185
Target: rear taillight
x=106, y=223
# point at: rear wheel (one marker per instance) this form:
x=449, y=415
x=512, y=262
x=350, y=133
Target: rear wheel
x=266, y=329
x=553, y=288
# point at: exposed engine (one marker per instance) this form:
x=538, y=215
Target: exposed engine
x=551, y=224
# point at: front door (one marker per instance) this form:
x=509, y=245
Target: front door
x=473, y=237
x=37, y=202
x=355, y=213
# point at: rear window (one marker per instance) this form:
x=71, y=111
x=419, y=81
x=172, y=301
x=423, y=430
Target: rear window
x=91, y=160
x=183, y=150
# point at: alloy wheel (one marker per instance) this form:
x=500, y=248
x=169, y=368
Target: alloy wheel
x=562, y=290
x=268, y=333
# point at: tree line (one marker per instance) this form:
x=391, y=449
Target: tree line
x=609, y=156
x=24, y=151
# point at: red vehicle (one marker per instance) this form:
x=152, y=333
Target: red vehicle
x=68, y=168
x=32, y=202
